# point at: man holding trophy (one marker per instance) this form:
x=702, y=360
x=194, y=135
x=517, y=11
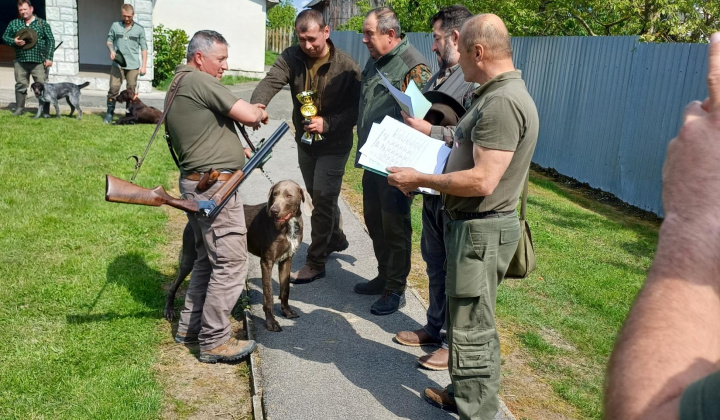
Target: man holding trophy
x=325, y=81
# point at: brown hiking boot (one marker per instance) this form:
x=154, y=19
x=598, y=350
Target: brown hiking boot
x=306, y=274
x=441, y=399
x=231, y=350
x=415, y=338
x=437, y=360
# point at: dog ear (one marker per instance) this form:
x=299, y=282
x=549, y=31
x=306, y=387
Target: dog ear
x=271, y=197
x=306, y=205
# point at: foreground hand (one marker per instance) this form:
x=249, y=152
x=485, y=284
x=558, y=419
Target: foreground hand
x=315, y=126
x=691, y=178
x=112, y=55
x=248, y=152
x=19, y=42
x=416, y=123
x=48, y=63
x=405, y=179
x=143, y=70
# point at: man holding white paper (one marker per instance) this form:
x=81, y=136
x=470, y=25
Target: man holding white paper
x=492, y=149
x=450, y=80
x=386, y=209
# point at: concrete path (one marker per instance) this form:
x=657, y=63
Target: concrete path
x=336, y=361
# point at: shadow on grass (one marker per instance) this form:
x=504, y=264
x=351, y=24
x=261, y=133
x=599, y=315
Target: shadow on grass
x=144, y=284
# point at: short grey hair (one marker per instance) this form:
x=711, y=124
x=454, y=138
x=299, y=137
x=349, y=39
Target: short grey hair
x=203, y=41
x=386, y=20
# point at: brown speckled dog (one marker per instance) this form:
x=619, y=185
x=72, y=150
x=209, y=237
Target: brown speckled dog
x=274, y=232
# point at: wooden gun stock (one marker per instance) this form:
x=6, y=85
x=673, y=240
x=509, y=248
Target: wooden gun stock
x=119, y=191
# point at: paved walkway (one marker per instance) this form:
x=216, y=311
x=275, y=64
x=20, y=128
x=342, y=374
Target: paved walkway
x=336, y=361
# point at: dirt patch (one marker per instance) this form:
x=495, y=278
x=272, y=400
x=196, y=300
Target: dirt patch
x=527, y=394
x=195, y=390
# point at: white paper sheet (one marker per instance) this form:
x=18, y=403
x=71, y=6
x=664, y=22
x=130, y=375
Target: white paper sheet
x=392, y=143
x=412, y=101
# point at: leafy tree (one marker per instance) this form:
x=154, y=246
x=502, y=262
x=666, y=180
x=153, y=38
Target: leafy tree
x=282, y=16
x=170, y=47
x=652, y=20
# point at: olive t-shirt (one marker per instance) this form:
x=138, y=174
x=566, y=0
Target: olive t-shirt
x=203, y=136
x=313, y=65
x=700, y=400
x=502, y=117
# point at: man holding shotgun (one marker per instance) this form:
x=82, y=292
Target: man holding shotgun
x=200, y=123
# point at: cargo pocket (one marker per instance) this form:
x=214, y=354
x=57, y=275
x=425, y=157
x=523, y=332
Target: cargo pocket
x=473, y=352
x=334, y=181
x=470, y=255
x=230, y=244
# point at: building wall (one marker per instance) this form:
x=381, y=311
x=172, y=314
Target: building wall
x=62, y=15
x=94, y=20
x=241, y=22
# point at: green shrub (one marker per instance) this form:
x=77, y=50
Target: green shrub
x=170, y=49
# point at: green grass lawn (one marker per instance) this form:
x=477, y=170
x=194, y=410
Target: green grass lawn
x=592, y=260
x=270, y=57
x=81, y=286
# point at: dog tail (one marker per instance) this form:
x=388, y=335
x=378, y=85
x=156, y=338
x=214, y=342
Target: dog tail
x=86, y=84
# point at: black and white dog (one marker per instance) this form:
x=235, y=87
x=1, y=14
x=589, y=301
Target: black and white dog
x=52, y=92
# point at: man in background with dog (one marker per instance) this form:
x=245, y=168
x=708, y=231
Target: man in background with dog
x=201, y=124
x=126, y=42
x=449, y=80
x=492, y=149
x=317, y=65
x=386, y=209
x=34, y=46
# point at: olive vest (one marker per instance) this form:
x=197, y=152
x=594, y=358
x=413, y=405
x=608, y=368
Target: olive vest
x=375, y=100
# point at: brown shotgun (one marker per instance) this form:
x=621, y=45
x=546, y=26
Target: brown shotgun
x=119, y=191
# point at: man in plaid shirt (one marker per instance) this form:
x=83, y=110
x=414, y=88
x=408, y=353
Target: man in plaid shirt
x=33, y=61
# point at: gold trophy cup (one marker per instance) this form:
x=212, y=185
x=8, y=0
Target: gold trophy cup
x=308, y=110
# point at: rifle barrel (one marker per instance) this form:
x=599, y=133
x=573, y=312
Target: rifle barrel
x=253, y=163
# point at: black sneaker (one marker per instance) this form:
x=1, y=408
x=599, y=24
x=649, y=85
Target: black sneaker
x=372, y=287
x=388, y=303
x=337, y=248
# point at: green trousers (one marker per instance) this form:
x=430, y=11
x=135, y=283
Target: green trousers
x=478, y=254
x=23, y=71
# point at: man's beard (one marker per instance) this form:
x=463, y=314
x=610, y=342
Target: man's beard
x=444, y=57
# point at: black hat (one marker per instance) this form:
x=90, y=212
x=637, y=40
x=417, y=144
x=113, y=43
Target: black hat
x=29, y=36
x=119, y=58
x=445, y=110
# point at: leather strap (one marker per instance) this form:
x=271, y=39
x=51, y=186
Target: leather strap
x=173, y=90
x=168, y=102
x=195, y=176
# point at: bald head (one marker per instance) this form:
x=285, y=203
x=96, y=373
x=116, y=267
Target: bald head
x=489, y=31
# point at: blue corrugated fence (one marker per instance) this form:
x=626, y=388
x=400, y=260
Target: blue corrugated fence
x=608, y=105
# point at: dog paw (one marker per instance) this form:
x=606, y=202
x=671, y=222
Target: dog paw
x=289, y=313
x=272, y=325
x=170, y=314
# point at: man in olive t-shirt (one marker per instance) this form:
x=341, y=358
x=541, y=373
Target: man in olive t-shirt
x=200, y=122
x=492, y=148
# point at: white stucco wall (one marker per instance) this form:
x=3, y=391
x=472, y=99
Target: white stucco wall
x=241, y=22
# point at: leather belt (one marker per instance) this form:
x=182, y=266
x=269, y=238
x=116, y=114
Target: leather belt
x=195, y=176
x=461, y=215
